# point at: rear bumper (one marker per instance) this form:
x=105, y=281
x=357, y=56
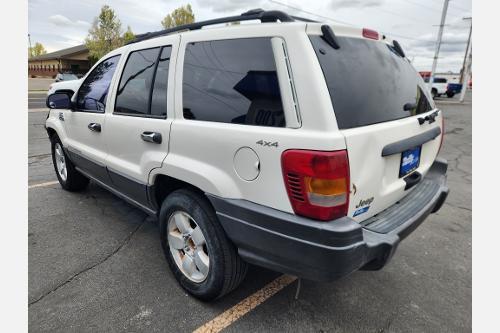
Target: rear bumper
x=325, y=251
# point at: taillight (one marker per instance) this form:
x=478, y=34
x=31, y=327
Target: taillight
x=317, y=182
x=368, y=33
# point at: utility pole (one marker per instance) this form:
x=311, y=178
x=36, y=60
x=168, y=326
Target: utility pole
x=466, y=49
x=438, y=43
x=31, y=50
x=467, y=69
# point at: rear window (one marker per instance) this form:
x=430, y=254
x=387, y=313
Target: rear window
x=369, y=82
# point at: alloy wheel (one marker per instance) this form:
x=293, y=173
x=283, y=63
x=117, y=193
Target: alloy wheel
x=188, y=246
x=60, y=162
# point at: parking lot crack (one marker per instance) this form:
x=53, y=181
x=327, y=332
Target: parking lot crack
x=103, y=260
x=459, y=207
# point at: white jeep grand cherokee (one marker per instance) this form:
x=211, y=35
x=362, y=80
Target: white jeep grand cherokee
x=306, y=148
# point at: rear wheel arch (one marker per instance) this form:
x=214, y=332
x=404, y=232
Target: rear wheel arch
x=163, y=185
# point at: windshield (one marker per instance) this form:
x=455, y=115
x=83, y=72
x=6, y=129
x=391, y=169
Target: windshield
x=369, y=82
x=69, y=77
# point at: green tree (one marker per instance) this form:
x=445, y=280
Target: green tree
x=36, y=50
x=180, y=16
x=128, y=36
x=105, y=34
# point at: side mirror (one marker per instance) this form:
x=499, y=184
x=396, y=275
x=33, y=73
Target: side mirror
x=58, y=101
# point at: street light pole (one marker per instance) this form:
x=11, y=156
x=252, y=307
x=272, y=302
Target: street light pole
x=438, y=43
x=31, y=50
x=467, y=69
x=466, y=49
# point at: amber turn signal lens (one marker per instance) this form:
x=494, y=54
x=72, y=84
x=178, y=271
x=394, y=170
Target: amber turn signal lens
x=325, y=186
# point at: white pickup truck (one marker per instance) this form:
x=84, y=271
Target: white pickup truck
x=439, y=86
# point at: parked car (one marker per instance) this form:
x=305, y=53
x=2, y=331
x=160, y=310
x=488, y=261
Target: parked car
x=452, y=89
x=68, y=87
x=439, y=86
x=66, y=77
x=254, y=151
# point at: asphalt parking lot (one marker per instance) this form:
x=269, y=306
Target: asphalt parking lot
x=36, y=99
x=96, y=264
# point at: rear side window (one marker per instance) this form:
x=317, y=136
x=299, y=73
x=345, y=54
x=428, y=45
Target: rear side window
x=232, y=81
x=135, y=84
x=94, y=90
x=369, y=82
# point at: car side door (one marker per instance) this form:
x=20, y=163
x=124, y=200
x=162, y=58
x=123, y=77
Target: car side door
x=85, y=124
x=138, y=125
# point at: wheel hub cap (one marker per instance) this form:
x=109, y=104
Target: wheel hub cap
x=60, y=162
x=188, y=246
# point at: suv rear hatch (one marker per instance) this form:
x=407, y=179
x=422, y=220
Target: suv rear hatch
x=392, y=130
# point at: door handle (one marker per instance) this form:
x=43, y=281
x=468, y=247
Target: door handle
x=153, y=137
x=94, y=127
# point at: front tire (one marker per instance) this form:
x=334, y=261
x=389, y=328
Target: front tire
x=203, y=260
x=450, y=94
x=69, y=178
x=434, y=93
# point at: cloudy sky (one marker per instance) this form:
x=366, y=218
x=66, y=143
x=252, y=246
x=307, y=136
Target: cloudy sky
x=61, y=24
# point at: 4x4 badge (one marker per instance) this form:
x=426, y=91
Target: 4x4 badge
x=267, y=143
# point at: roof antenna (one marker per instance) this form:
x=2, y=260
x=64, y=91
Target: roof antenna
x=329, y=36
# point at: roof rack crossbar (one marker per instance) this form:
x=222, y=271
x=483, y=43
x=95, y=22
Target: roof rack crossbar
x=254, y=14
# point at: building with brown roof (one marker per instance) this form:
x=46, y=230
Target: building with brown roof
x=73, y=59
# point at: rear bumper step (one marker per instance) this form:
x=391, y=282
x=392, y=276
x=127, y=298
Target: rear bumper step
x=426, y=191
x=325, y=251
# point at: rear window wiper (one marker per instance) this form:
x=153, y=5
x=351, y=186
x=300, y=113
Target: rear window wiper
x=398, y=48
x=329, y=36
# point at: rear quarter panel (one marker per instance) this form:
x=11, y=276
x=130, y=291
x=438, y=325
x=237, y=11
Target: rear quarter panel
x=202, y=153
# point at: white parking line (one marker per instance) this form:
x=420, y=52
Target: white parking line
x=42, y=184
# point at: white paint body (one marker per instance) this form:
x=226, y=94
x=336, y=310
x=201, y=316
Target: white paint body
x=203, y=153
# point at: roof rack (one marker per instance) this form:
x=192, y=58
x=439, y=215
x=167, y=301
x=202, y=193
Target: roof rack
x=254, y=14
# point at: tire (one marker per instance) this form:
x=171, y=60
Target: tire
x=225, y=269
x=450, y=94
x=71, y=179
x=433, y=93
